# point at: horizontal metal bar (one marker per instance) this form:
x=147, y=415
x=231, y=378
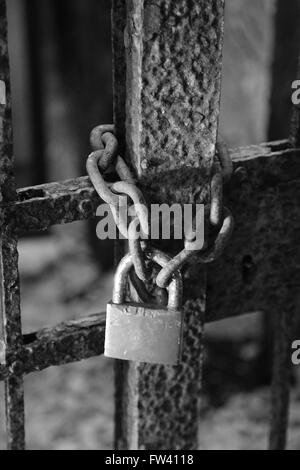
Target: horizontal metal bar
x=275, y=148
x=266, y=177
x=258, y=269
x=62, y=344
x=40, y=207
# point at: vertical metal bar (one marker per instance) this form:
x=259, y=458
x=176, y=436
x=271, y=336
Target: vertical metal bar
x=173, y=73
x=11, y=331
x=281, y=380
x=119, y=69
x=119, y=87
x=284, y=320
x=295, y=127
x=283, y=314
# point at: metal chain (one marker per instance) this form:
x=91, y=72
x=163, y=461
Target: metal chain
x=219, y=216
x=207, y=256
x=105, y=147
x=105, y=154
x=137, y=252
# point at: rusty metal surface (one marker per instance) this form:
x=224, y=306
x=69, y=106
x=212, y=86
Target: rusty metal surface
x=262, y=257
x=167, y=138
x=258, y=170
x=173, y=91
x=64, y=343
x=174, y=52
x=15, y=416
x=40, y=207
x=11, y=331
x=284, y=321
x=220, y=218
x=119, y=70
x=260, y=269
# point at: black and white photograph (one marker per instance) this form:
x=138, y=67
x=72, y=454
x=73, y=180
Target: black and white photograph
x=149, y=228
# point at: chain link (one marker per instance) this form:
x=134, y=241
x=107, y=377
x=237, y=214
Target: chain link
x=159, y=296
x=96, y=136
x=93, y=164
x=219, y=216
x=212, y=253
x=216, y=190
x=105, y=147
x=105, y=155
x=137, y=252
x=135, y=194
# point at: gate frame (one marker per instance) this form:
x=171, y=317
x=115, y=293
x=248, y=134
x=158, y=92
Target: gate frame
x=264, y=167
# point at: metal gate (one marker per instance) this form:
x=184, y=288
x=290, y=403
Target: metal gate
x=166, y=119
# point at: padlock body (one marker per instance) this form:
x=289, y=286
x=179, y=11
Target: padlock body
x=143, y=333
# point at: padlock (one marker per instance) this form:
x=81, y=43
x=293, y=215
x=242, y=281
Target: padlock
x=144, y=333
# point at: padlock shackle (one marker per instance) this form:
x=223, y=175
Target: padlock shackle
x=175, y=288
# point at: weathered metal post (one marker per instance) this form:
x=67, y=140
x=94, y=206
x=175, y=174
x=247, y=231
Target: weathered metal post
x=285, y=306
x=11, y=332
x=172, y=62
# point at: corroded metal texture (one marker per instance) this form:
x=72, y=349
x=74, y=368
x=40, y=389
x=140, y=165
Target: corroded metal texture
x=15, y=419
x=284, y=321
x=173, y=52
x=119, y=70
x=40, y=207
x=11, y=331
x=260, y=269
x=259, y=170
x=261, y=260
x=64, y=343
x=283, y=336
x=171, y=105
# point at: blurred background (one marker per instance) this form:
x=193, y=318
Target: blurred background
x=60, y=52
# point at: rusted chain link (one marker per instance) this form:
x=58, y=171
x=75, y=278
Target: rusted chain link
x=105, y=147
x=218, y=216
x=159, y=296
x=216, y=208
x=139, y=203
x=140, y=288
x=105, y=154
x=158, y=258
x=215, y=251
x=93, y=165
x=137, y=253
x=96, y=136
x=140, y=222
x=207, y=256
